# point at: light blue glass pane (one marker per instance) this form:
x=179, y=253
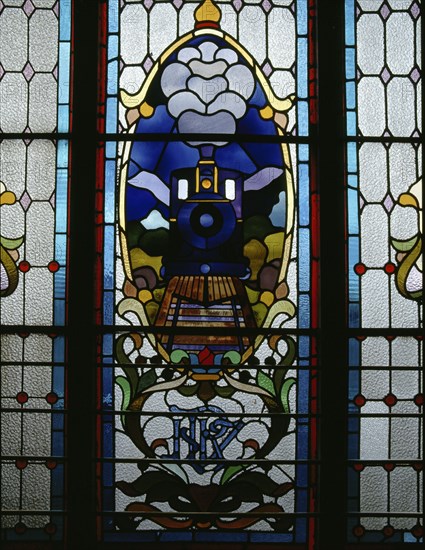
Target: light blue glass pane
x=60, y=249
x=113, y=14
x=108, y=344
x=111, y=117
x=62, y=154
x=354, y=355
x=108, y=307
x=59, y=349
x=65, y=20
x=353, y=383
x=60, y=276
x=59, y=307
x=59, y=380
x=111, y=150
x=304, y=346
x=302, y=19
x=113, y=47
x=350, y=63
x=352, y=157
x=110, y=191
x=304, y=310
x=303, y=195
x=64, y=65
x=349, y=22
x=302, y=118
x=108, y=277
x=353, y=212
x=112, y=77
x=303, y=382
x=353, y=181
x=303, y=152
x=302, y=84
x=351, y=123
x=63, y=118
x=61, y=200
x=353, y=251
x=350, y=90
x=304, y=259
x=354, y=310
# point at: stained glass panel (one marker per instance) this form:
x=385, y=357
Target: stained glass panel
x=385, y=439
x=35, y=50
x=385, y=274
x=32, y=376
x=211, y=262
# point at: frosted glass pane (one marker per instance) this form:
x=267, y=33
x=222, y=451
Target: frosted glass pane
x=133, y=36
x=374, y=252
x=385, y=219
x=371, y=106
x=388, y=45
x=370, y=51
x=373, y=178
x=400, y=29
x=158, y=39
x=33, y=222
x=13, y=39
x=281, y=34
x=43, y=39
x=252, y=29
x=375, y=293
x=31, y=72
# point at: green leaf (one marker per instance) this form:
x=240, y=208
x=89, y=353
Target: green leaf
x=265, y=382
x=146, y=380
x=124, y=384
x=178, y=355
x=284, y=394
x=11, y=244
x=226, y=391
x=188, y=391
x=404, y=246
x=230, y=472
x=130, y=371
x=233, y=356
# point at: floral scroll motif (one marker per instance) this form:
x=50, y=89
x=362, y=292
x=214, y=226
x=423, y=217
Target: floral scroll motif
x=409, y=277
x=9, y=250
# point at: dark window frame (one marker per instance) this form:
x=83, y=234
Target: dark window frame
x=328, y=141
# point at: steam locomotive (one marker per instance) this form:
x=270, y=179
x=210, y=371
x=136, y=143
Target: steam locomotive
x=206, y=222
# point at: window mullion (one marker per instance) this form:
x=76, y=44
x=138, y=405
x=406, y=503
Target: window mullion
x=333, y=337
x=82, y=336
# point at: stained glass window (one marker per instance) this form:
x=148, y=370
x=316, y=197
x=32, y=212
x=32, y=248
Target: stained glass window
x=189, y=356
x=34, y=119
x=209, y=396
x=384, y=196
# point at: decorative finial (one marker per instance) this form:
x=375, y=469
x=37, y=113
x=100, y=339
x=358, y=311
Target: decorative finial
x=207, y=15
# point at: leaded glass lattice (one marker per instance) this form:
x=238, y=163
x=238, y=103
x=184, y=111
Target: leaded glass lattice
x=385, y=273
x=205, y=271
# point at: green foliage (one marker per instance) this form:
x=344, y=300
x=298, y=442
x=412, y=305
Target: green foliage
x=257, y=227
x=231, y=471
x=133, y=232
x=284, y=393
x=265, y=382
x=146, y=380
x=124, y=384
x=178, y=355
x=155, y=242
